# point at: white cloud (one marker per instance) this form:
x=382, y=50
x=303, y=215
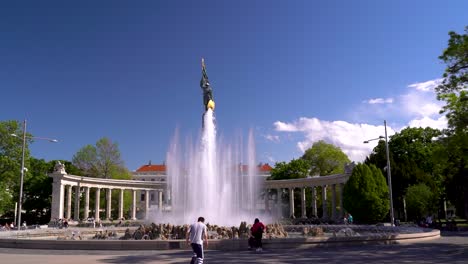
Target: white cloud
x=348, y=136
x=274, y=138
x=439, y=123
x=419, y=105
x=416, y=108
x=427, y=86
x=380, y=101
x=284, y=127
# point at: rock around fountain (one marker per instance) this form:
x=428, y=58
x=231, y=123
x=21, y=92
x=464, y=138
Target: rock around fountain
x=204, y=181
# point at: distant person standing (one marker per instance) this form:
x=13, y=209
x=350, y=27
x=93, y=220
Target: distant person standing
x=350, y=218
x=196, y=233
x=256, y=233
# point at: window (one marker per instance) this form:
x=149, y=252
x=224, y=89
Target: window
x=142, y=197
x=152, y=197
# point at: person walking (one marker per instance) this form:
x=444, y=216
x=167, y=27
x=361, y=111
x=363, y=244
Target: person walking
x=196, y=233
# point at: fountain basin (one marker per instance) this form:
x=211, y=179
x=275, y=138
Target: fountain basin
x=44, y=239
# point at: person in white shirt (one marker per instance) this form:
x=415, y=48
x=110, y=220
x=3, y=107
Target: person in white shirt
x=196, y=233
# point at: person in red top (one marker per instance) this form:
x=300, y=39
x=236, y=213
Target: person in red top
x=256, y=232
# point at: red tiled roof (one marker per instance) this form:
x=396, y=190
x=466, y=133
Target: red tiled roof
x=265, y=167
x=262, y=167
x=152, y=168
x=162, y=168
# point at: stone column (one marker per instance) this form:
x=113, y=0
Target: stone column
x=147, y=198
x=341, y=201
x=291, y=202
x=133, y=204
x=267, y=204
x=324, y=202
x=109, y=204
x=160, y=201
x=314, y=201
x=333, y=201
x=279, y=204
x=76, y=215
x=97, y=201
x=86, y=209
x=57, y=199
x=121, y=203
x=69, y=201
x=303, y=202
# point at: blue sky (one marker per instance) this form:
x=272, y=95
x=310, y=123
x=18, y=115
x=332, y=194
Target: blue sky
x=293, y=71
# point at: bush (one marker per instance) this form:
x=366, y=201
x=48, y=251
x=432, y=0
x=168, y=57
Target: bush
x=365, y=194
x=419, y=201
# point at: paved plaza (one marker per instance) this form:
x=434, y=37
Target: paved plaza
x=450, y=248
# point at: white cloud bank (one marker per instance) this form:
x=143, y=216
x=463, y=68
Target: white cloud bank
x=419, y=106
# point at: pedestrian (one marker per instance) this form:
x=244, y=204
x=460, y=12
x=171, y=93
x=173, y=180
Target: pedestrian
x=256, y=233
x=196, y=233
x=350, y=218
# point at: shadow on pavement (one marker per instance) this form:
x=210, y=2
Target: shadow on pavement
x=427, y=252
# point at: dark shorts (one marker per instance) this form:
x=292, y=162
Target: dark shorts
x=198, y=250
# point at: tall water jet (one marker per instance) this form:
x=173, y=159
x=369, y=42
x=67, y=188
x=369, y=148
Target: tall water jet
x=208, y=178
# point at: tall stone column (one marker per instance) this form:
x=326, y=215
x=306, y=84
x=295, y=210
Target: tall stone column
x=147, y=198
x=333, y=211
x=291, y=202
x=134, y=204
x=160, y=201
x=69, y=201
x=324, y=202
x=267, y=204
x=97, y=201
x=341, y=201
x=314, y=201
x=109, y=204
x=76, y=214
x=303, y=202
x=279, y=203
x=58, y=194
x=86, y=209
x=121, y=203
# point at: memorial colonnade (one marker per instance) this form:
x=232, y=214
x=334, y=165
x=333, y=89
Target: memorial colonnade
x=65, y=186
x=334, y=183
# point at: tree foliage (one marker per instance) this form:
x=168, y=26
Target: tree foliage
x=412, y=161
x=365, y=194
x=419, y=201
x=296, y=168
x=454, y=91
x=102, y=160
x=455, y=56
x=10, y=163
x=325, y=159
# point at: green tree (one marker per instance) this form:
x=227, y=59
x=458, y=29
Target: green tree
x=325, y=159
x=453, y=90
x=10, y=164
x=365, y=194
x=419, y=201
x=296, y=168
x=412, y=161
x=37, y=192
x=102, y=160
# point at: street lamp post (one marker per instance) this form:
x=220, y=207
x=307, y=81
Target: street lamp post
x=389, y=173
x=20, y=199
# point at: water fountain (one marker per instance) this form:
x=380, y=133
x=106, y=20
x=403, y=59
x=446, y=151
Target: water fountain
x=207, y=178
